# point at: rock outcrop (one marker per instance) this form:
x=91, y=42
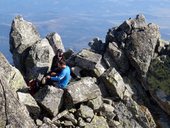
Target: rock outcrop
x=108, y=89
x=83, y=90
x=138, y=39
x=50, y=98
x=39, y=60
x=22, y=36
x=12, y=75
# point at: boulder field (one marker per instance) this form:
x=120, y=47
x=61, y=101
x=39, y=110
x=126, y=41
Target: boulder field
x=122, y=82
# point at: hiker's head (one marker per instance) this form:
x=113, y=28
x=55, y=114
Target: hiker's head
x=61, y=64
x=59, y=53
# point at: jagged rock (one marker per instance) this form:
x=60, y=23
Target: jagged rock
x=97, y=122
x=50, y=98
x=22, y=36
x=140, y=47
x=55, y=41
x=115, y=84
x=115, y=57
x=60, y=115
x=97, y=45
x=89, y=60
x=12, y=112
x=158, y=81
x=83, y=90
x=96, y=103
x=30, y=103
x=70, y=117
x=86, y=112
x=133, y=115
x=39, y=60
x=140, y=40
x=12, y=75
x=68, y=54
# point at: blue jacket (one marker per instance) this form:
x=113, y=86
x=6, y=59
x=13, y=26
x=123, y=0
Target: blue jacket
x=63, y=78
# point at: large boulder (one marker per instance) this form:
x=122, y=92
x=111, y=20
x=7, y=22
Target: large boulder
x=13, y=114
x=39, y=59
x=55, y=41
x=13, y=76
x=23, y=35
x=115, y=57
x=140, y=40
x=158, y=79
x=132, y=115
x=115, y=84
x=89, y=60
x=50, y=98
x=83, y=90
x=30, y=103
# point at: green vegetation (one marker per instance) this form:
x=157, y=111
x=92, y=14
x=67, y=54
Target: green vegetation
x=159, y=74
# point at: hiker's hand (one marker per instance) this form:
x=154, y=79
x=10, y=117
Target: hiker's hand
x=53, y=73
x=48, y=77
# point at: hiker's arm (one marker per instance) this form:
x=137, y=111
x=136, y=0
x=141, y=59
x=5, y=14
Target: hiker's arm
x=60, y=77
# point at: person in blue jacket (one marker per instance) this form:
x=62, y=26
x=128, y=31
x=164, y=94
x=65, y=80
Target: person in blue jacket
x=62, y=79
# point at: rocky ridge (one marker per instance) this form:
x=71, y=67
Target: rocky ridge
x=116, y=79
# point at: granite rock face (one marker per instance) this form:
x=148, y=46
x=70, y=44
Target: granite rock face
x=91, y=61
x=115, y=84
x=39, y=60
x=13, y=113
x=84, y=90
x=138, y=39
x=22, y=36
x=50, y=98
x=12, y=75
x=55, y=41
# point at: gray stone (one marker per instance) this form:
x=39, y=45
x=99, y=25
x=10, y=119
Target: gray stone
x=50, y=98
x=39, y=122
x=97, y=122
x=55, y=41
x=140, y=47
x=30, y=103
x=133, y=115
x=39, y=59
x=115, y=84
x=96, y=103
x=86, y=112
x=68, y=54
x=12, y=75
x=89, y=60
x=97, y=45
x=116, y=56
x=139, y=44
x=13, y=114
x=71, y=118
x=83, y=90
x=22, y=36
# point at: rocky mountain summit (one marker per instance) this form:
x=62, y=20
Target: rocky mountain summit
x=122, y=82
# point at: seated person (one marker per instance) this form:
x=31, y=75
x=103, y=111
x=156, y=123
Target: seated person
x=57, y=58
x=62, y=79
